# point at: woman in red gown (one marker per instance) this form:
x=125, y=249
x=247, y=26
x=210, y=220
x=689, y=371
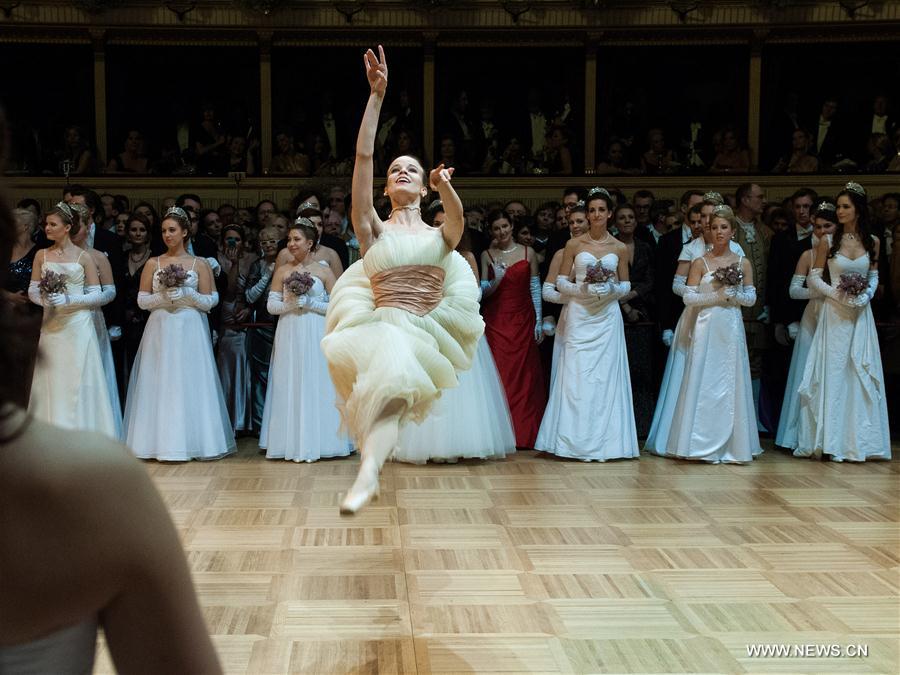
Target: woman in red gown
x=511, y=308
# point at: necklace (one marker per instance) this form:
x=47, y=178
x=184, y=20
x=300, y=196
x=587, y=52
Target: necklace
x=599, y=241
x=508, y=250
x=406, y=208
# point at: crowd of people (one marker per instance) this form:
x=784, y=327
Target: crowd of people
x=253, y=366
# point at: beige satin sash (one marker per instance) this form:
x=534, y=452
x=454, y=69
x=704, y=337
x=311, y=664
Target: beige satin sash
x=418, y=289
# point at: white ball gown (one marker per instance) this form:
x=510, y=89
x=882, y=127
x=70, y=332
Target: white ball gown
x=789, y=423
x=69, y=386
x=843, y=409
x=470, y=421
x=714, y=418
x=590, y=414
x=175, y=410
x=300, y=421
x=673, y=375
x=109, y=367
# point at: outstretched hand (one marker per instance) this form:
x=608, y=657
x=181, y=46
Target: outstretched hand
x=440, y=176
x=376, y=70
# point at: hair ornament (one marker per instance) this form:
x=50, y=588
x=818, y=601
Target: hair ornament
x=66, y=209
x=308, y=206
x=178, y=212
x=856, y=187
x=304, y=222
x=825, y=206
x=723, y=210
x=594, y=191
x=579, y=204
x=714, y=197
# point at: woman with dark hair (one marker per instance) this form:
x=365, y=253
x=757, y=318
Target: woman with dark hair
x=137, y=236
x=69, y=385
x=77, y=158
x=403, y=320
x=174, y=369
x=511, y=307
x=843, y=410
x=300, y=422
x=592, y=368
x=824, y=224
x=132, y=159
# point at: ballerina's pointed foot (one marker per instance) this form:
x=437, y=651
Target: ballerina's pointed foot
x=365, y=489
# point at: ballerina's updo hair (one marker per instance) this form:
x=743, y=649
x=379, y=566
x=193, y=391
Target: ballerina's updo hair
x=306, y=227
x=69, y=215
x=180, y=216
x=856, y=193
x=596, y=193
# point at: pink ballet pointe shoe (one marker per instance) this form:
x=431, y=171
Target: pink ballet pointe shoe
x=364, y=490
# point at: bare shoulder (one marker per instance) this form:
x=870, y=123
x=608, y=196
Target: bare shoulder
x=699, y=264
x=202, y=263
x=573, y=244
x=620, y=246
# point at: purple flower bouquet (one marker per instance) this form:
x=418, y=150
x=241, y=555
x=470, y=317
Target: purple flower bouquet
x=852, y=283
x=298, y=283
x=731, y=275
x=172, y=276
x=598, y=274
x=52, y=282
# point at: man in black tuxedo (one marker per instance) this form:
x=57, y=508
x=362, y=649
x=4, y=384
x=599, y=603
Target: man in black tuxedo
x=828, y=135
x=668, y=248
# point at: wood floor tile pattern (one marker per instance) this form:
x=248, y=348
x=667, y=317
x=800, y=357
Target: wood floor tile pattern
x=537, y=565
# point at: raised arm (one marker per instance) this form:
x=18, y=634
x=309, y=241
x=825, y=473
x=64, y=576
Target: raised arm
x=366, y=224
x=452, y=229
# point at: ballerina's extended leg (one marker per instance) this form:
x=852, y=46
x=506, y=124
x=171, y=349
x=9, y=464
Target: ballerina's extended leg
x=376, y=448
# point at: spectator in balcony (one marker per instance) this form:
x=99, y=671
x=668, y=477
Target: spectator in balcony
x=289, y=160
x=132, y=159
x=733, y=157
x=460, y=127
x=878, y=154
x=658, y=159
x=487, y=138
x=800, y=160
x=320, y=156
x=76, y=154
x=830, y=144
x=448, y=153
x=880, y=121
x=209, y=142
x=240, y=156
x=894, y=166
x=557, y=153
x=511, y=162
x=615, y=162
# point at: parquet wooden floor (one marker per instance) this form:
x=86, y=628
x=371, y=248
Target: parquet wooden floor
x=540, y=565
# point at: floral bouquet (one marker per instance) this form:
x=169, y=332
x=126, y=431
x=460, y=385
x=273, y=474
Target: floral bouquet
x=298, y=283
x=52, y=282
x=172, y=276
x=852, y=283
x=598, y=274
x=730, y=275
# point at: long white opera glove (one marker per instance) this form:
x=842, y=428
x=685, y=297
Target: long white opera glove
x=817, y=283
x=34, y=293
x=866, y=296
x=276, y=305
x=535, y=286
x=214, y=266
x=619, y=289
x=694, y=298
x=255, y=292
x=667, y=337
x=793, y=330
x=316, y=305
x=188, y=297
x=679, y=283
x=89, y=299
x=745, y=296
x=150, y=301
x=550, y=294
x=108, y=292
x=571, y=289
x=797, y=290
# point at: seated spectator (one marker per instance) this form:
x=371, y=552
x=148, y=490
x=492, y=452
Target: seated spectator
x=289, y=160
x=614, y=164
x=557, y=153
x=240, y=156
x=800, y=160
x=658, y=159
x=732, y=157
x=76, y=157
x=133, y=158
x=878, y=154
x=448, y=153
x=209, y=142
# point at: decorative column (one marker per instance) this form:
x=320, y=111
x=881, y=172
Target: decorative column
x=754, y=97
x=98, y=42
x=265, y=99
x=590, y=102
x=428, y=97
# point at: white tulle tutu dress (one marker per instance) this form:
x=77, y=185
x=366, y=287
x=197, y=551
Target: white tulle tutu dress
x=469, y=421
